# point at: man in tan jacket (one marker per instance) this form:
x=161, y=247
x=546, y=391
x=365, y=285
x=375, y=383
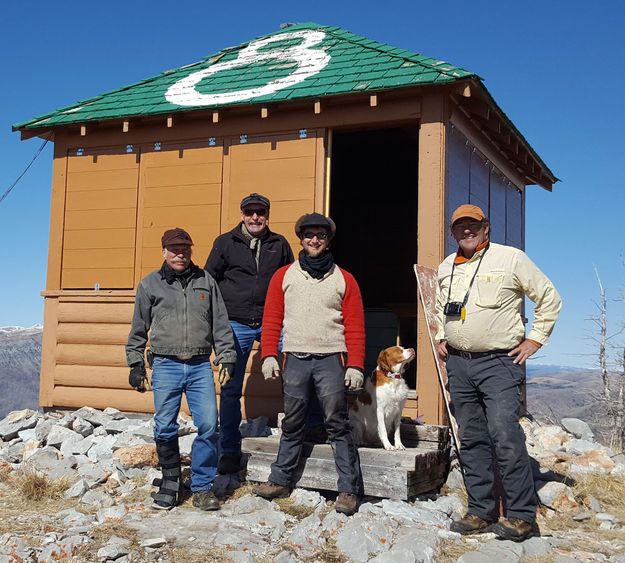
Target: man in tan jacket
x=481, y=336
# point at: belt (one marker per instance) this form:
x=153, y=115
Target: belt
x=182, y=357
x=474, y=355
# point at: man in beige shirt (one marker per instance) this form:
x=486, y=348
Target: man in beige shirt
x=481, y=337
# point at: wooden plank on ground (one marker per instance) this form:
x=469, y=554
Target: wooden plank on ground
x=399, y=474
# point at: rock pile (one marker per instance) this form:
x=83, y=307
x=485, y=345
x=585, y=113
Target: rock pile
x=107, y=462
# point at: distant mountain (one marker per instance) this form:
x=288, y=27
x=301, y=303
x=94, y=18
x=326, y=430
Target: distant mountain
x=20, y=362
x=555, y=392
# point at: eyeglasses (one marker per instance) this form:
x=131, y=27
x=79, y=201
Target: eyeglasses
x=473, y=226
x=260, y=211
x=311, y=235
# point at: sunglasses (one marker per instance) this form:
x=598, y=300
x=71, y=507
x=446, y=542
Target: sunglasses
x=311, y=235
x=260, y=211
x=473, y=226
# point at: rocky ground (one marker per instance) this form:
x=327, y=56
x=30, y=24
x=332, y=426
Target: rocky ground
x=75, y=486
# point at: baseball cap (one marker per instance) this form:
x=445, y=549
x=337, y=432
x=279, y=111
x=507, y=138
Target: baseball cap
x=176, y=236
x=255, y=199
x=314, y=220
x=472, y=211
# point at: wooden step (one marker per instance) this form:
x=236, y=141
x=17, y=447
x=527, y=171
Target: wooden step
x=399, y=474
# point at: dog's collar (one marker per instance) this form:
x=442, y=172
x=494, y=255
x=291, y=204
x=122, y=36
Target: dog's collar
x=391, y=374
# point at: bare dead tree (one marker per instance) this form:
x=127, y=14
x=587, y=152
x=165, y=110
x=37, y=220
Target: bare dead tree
x=610, y=414
x=619, y=427
x=601, y=320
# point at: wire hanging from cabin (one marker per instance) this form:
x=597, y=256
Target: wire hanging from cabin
x=8, y=191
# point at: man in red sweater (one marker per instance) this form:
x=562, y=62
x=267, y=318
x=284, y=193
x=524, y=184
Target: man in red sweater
x=319, y=307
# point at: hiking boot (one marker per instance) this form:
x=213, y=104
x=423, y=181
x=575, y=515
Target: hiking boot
x=270, y=490
x=471, y=524
x=346, y=503
x=205, y=500
x=229, y=462
x=513, y=529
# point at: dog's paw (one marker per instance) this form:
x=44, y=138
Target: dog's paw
x=400, y=446
x=389, y=447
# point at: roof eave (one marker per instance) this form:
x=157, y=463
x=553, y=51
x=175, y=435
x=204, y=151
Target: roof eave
x=482, y=110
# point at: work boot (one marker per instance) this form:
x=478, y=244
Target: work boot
x=205, y=500
x=513, y=529
x=270, y=490
x=471, y=524
x=229, y=462
x=346, y=503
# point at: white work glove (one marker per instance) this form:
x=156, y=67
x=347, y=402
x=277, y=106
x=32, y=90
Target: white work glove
x=270, y=368
x=226, y=370
x=353, y=378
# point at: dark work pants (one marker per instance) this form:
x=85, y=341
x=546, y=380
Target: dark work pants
x=486, y=397
x=301, y=378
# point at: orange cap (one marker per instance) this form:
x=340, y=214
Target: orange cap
x=472, y=211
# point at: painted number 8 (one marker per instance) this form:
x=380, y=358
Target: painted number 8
x=309, y=62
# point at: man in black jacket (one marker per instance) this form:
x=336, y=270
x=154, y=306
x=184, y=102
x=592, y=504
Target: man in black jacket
x=243, y=262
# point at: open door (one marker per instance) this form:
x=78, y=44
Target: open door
x=373, y=200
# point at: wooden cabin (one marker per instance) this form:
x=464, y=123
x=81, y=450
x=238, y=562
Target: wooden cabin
x=386, y=141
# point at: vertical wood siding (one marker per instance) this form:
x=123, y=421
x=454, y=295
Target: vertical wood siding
x=472, y=178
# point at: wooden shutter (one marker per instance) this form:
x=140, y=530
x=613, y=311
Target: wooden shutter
x=180, y=186
x=100, y=219
x=285, y=168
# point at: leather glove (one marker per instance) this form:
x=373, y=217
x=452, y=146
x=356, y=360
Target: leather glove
x=270, y=368
x=138, y=378
x=226, y=371
x=353, y=378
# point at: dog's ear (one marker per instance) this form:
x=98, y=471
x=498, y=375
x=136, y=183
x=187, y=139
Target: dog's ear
x=383, y=360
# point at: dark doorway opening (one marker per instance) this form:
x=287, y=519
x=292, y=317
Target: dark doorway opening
x=373, y=200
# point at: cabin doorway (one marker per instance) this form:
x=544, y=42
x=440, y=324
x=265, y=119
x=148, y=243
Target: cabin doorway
x=373, y=200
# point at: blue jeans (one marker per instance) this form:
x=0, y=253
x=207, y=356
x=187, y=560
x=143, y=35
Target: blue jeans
x=172, y=377
x=486, y=397
x=230, y=398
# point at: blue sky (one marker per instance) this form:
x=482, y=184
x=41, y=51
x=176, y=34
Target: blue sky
x=555, y=68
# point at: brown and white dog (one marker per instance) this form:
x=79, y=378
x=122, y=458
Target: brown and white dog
x=376, y=413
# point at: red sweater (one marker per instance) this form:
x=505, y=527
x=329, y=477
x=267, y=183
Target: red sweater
x=318, y=316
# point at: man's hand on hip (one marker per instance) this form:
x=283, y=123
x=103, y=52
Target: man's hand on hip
x=138, y=378
x=523, y=351
x=441, y=350
x=353, y=378
x=226, y=370
x=270, y=368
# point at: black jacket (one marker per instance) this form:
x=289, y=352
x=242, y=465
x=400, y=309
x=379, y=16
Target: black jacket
x=243, y=285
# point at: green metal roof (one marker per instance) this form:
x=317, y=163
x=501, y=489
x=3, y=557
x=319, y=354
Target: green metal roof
x=301, y=61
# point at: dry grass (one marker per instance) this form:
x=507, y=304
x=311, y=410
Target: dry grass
x=609, y=490
x=243, y=490
x=450, y=550
x=38, y=488
x=101, y=534
x=5, y=471
x=296, y=510
x=24, y=496
x=190, y=555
